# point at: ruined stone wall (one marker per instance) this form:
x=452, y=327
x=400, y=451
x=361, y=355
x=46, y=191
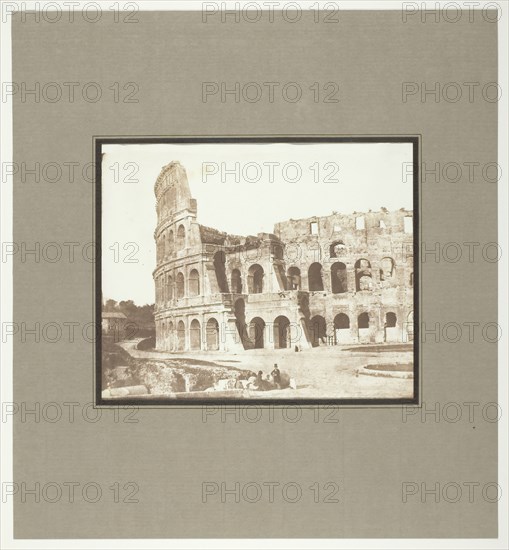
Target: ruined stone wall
x=372, y=254
x=316, y=281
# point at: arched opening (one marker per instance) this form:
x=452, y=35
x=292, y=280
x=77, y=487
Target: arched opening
x=294, y=278
x=315, y=281
x=339, y=283
x=171, y=336
x=158, y=291
x=277, y=250
x=195, y=335
x=363, y=321
x=236, y=282
x=363, y=279
x=390, y=319
x=160, y=248
x=256, y=332
x=169, y=288
x=341, y=321
x=169, y=244
x=219, y=267
x=180, y=285
x=342, y=329
x=390, y=328
x=318, y=330
x=282, y=332
x=337, y=249
x=255, y=279
x=387, y=269
x=194, y=283
x=181, y=238
x=411, y=281
x=163, y=289
x=212, y=335
x=181, y=336
x=165, y=252
x=363, y=327
x=240, y=322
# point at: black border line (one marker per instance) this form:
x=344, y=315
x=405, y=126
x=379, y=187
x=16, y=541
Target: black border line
x=190, y=403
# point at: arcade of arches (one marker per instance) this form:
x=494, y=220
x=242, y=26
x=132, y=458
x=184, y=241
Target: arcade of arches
x=334, y=279
x=280, y=332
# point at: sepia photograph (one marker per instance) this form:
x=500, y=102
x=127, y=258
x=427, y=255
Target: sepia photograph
x=261, y=270
x=254, y=274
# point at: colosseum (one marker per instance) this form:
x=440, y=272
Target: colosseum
x=319, y=281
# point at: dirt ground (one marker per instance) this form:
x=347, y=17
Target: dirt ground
x=323, y=372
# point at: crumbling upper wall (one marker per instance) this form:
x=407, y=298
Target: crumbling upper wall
x=343, y=224
x=233, y=243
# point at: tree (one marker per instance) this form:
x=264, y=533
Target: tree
x=111, y=305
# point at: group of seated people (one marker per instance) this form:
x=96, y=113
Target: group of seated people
x=258, y=382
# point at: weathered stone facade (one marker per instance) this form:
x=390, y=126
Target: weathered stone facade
x=316, y=281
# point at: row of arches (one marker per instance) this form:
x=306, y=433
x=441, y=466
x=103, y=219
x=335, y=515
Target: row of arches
x=254, y=335
x=292, y=279
x=167, y=289
x=339, y=276
x=167, y=244
x=340, y=330
x=342, y=320
x=281, y=332
x=319, y=332
x=255, y=277
x=175, y=337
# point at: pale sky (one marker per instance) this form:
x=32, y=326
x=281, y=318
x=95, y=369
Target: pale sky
x=275, y=182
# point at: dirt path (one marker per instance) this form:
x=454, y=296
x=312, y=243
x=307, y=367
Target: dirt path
x=325, y=372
